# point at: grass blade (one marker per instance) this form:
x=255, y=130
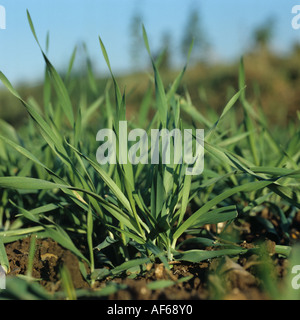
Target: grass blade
x=4, y=263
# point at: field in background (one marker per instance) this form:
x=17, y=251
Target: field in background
x=272, y=82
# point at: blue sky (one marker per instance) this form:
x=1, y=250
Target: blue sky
x=228, y=25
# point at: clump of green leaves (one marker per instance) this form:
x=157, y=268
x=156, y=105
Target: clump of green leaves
x=140, y=211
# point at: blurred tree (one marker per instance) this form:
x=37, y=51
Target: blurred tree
x=136, y=45
x=263, y=35
x=194, y=31
x=165, y=61
x=296, y=49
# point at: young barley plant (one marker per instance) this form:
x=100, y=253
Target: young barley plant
x=53, y=186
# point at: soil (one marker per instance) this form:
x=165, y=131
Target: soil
x=49, y=257
x=225, y=278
